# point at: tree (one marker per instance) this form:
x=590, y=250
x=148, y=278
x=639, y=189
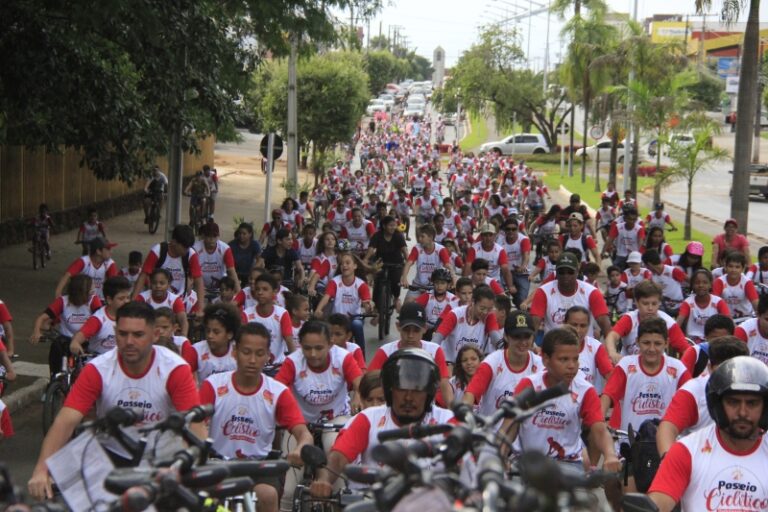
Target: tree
x=115, y=79
x=689, y=160
x=332, y=94
x=382, y=68
x=746, y=103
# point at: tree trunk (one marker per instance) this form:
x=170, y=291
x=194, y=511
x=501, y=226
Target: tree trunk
x=688, y=208
x=614, y=152
x=570, y=133
x=597, y=170
x=584, y=136
x=657, y=184
x=633, y=167
x=745, y=108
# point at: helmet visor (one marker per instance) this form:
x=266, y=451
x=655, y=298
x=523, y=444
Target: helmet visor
x=413, y=375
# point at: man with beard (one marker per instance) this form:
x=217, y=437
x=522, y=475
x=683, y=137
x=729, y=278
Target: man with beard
x=723, y=466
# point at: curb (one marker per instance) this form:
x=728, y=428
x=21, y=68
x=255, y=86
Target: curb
x=25, y=396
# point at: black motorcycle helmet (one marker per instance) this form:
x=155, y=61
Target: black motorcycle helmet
x=742, y=374
x=410, y=369
x=441, y=274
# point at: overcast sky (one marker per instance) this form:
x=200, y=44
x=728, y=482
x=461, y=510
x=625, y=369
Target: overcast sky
x=453, y=24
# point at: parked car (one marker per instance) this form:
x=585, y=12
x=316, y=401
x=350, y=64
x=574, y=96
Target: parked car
x=449, y=119
x=375, y=105
x=681, y=140
x=603, y=148
x=758, y=180
x=388, y=99
x=413, y=111
x=521, y=143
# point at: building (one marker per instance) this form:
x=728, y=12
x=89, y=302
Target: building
x=438, y=64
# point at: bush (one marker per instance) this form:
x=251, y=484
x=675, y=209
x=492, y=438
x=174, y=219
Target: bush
x=649, y=170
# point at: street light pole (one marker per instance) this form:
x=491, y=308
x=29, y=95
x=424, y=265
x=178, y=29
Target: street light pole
x=293, y=139
x=546, y=50
x=630, y=125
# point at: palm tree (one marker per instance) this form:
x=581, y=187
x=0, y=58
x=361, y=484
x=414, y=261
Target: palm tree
x=746, y=105
x=691, y=159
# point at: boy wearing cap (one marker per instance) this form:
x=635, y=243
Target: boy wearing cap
x=98, y=265
x=659, y=218
x=501, y=371
x=578, y=239
x=575, y=206
x=427, y=256
x=552, y=300
x=634, y=274
x=412, y=324
x=489, y=250
x=216, y=260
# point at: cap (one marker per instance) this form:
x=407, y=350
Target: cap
x=487, y=227
x=518, y=323
x=695, y=248
x=731, y=221
x=635, y=257
x=100, y=243
x=576, y=216
x=568, y=260
x=575, y=197
x=412, y=314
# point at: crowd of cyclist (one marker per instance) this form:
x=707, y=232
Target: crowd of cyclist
x=504, y=291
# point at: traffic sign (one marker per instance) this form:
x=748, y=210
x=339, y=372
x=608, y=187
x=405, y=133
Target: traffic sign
x=277, y=148
x=596, y=132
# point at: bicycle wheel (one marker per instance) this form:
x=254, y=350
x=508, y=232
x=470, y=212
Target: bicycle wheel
x=154, y=217
x=55, y=394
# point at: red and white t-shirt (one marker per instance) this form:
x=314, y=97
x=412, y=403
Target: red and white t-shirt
x=214, y=264
x=452, y=222
x=701, y=473
x=207, y=363
x=175, y=266
x=739, y=297
x=515, y=250
x=697, y=316
x=496, y=257
x=70, y=317
x=5, y=316
x=354, y=349
x=171, y=300
x=495, y=380
x=626, y=239
x=279, y=325
x=435, y=307
x=386, y=350
x=585, y=243
x=670, y=279
x=688, y=409
x=243, y=424
x=457, y=330
x=339, y=218
x=306, y=254
x=428, y=262
x=348, y=299
x=555, y=429
x=321, y=395
x=324, y=266
x=361, y=435
x=627, y=327
x=749, y=332
x=427, y=207
x=594, y=360
x=98, y=273
x=550, y=304
x=99, y=330
x=186, y=351
x=657, y=219
x=359, y=236
x=643, y=396
x=633, y=280
x=166, y=386
x=5, y=421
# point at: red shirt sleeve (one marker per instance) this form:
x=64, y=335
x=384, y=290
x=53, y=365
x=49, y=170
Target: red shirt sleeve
x=689, y=359
x=351, y=369
x=717, y=287
x=503, y=259
x=414, y=255
x=149, y=262
x=597, y=305
x=330, y=290
x=674, y=474
x=286, y=325
x=496, y=287
x=359, y=359
x=56, y=308
x=287, y=412
x=91, y=327
x=364, y=292
x=229, y=259
x=685, y=377
x=5, y=421
x=189, y=355
x=287, y=373
x=445, y=256
x=491, y=324
x=723, y=309
x=480, y=381
x=682, y=411
x=207, y=393
x=603, y=361
x=538, y=304
x=623, y=326
x=524, y=384
x=379, y=358
x=76, y=267
x=441, y=364
x=677, y=339
x=613, y=232
x=616, y=386
x=590, y=411
x=590, y=242
x=750, y=291
x=181, y=388
x=85, y=391
x=678, y=275
x=525, y=245
x=685, y=310
x=194, y=266
x=178, y=305
x=422, y=299
x=343, y=233
x=112, y=270
x=741, y=334
x=470, y=255
x=370, y=229
x=353, y=440
x=448, y=323
x=266, y=229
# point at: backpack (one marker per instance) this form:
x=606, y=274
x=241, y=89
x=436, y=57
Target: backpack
x=702, y=360
x=184, y=262
x=643, y=454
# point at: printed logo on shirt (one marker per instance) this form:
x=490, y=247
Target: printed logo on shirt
x=135, y=398
x=382, y=421
x=649, y=401
x=206, y=356
x=268, y=396
x=672, y=372
x=320, y=396
x=222, y=390
x=550, y=418
x=241, y=427
x=707, y=448
x=499, y=370
x=335, y=371
x=632, y=368
x=732, y=489
x=303, y=374
x=503, y=397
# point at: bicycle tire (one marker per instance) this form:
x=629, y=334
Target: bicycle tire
x=55, y=394
x=154, y=218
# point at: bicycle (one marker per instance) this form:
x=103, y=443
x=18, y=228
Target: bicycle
x=197, y=208
x=153, y=217
x=60, y=384
x=41, y=251
x=385, y=301
x=314, y=458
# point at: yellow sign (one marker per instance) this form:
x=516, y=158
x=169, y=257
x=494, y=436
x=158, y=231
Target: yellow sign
x=662, y=31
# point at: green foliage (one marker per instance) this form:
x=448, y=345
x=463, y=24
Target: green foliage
x=706, y=91
x=115, y=79
x=382, y=68
x=332, y=94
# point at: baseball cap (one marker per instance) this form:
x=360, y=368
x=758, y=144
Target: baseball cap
x=412, y=314
x=100, y=243
x=518, y=323
x=568, y=260
x=731, y=221
x=487, y=227
x=576, y=216
x=635, y=257
x=575, y=198
x=695, y=248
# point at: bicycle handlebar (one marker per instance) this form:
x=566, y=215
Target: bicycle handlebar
x=413, y=431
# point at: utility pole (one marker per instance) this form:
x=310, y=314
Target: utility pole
x=630, y=124
x=293, y=139
x=175, y=173
x=546, y=51
x=759, y=108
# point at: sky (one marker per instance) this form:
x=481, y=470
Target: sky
x=453, y=24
